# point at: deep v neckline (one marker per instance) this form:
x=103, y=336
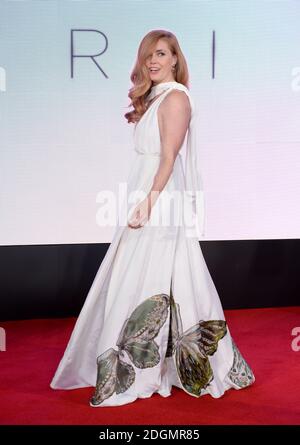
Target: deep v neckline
x=149, y=106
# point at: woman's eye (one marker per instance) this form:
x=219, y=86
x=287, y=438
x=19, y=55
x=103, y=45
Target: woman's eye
x=160, y=54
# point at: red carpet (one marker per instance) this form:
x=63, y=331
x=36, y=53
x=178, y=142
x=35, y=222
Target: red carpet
x=34, y=348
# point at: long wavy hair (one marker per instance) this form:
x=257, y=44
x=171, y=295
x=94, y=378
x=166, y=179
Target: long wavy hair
x=140, y=76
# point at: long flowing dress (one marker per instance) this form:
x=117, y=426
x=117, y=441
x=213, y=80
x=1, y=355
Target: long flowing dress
x=152, y=317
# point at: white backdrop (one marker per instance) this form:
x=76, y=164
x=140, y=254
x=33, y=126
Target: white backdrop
x=63, y=138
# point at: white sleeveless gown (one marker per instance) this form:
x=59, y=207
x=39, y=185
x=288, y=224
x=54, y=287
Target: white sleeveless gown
x=152, y=317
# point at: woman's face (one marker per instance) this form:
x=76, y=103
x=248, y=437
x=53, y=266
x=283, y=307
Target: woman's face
x=159, y=63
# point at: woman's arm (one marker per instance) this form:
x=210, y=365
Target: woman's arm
x=173, y=118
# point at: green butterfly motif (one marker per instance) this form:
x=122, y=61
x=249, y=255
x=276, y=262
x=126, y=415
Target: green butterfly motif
x=240, y=373
x=113, y=375
x=192, y=348
x=137, y=340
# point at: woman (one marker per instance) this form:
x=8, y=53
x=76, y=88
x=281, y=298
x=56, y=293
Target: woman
x=153, y=317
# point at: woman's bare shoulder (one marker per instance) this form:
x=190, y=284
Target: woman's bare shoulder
x=176, y=100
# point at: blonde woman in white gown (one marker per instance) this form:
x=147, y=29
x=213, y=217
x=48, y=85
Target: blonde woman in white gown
x=153, y=318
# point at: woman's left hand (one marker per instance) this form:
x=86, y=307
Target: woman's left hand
x=141, y=214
